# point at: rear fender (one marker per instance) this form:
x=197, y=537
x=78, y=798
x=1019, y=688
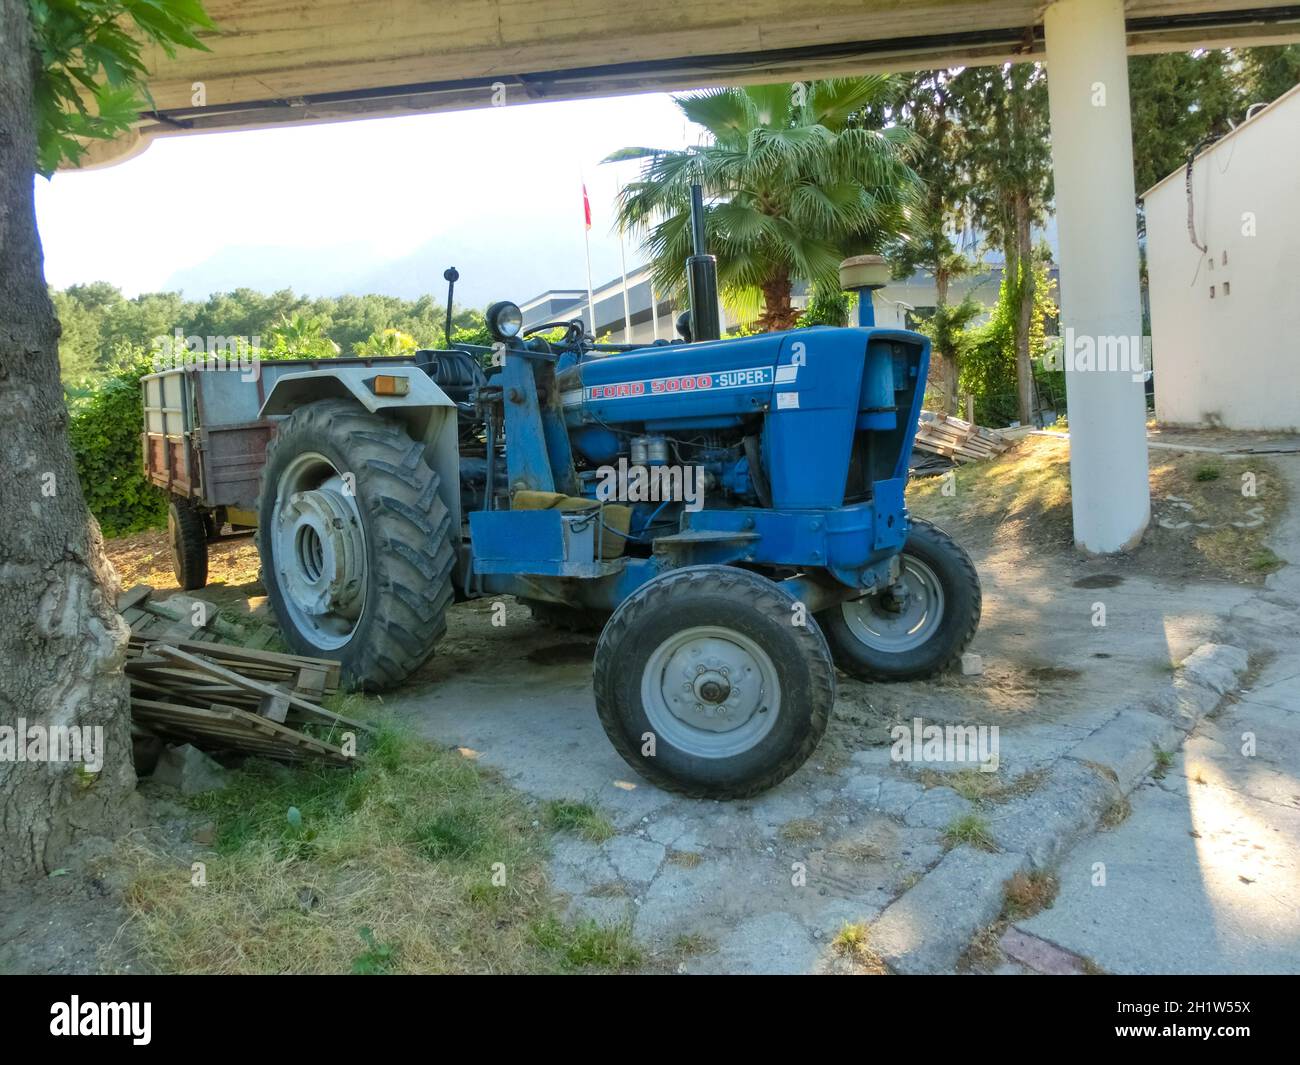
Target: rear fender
x=426, y=412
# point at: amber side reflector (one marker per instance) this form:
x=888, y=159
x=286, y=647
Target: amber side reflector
x=387, y=385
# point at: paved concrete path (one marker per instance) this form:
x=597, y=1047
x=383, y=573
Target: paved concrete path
x=1204, y=876
x=764, y=885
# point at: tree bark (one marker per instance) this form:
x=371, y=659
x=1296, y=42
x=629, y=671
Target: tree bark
x=948, y=370
x=1024, y=312
x=61, y=640
x=778, y=312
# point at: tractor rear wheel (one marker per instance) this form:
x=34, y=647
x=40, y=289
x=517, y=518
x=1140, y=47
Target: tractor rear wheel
x=355, y=543
x=187, y=532
x=886, y=637
x=706, y=685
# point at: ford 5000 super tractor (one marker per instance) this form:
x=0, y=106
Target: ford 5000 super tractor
x=774, y=543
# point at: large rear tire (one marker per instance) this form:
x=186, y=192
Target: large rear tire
x=879, y=637
x=706, y=683
x=355, y=543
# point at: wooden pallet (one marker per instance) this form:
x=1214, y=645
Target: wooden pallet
x=189, y=684
x=957, y=439
x=219, y=727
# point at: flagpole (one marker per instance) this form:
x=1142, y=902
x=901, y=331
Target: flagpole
x=586, y=238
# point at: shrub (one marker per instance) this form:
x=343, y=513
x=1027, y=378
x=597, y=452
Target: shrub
x=104, y=427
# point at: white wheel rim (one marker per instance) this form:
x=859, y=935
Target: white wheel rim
x=711, y=692
x=319, y=550
x=875, y=620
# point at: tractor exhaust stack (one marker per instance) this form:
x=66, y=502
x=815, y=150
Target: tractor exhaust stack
x=702, y=277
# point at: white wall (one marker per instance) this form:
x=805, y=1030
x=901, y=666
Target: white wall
x=1233, y=359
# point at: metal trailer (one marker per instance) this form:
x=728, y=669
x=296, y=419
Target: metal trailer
x=204, y=443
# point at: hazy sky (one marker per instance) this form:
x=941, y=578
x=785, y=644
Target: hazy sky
x=377, y=205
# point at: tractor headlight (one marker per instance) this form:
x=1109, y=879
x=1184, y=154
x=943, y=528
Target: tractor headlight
x=504, y=320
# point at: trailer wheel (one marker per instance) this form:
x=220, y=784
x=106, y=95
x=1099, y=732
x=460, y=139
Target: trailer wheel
x=880, y=637
x=706, y=686
x=355, y=543
x=189, y=540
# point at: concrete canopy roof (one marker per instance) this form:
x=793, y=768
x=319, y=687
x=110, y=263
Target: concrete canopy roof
x=274, y=62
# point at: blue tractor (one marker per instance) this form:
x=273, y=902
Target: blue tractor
x=729, y=513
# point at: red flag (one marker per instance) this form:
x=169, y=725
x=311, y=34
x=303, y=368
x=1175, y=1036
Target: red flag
x=586, y=205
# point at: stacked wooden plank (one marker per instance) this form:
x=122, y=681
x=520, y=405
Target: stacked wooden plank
x=220, y=696
x=184, y=617
x=957, y=439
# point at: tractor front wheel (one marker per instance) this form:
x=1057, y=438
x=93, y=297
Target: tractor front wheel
x=919, y=628
x=710, y=683
x=355, y=543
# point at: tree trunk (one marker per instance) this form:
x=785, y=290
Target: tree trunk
x=1024, y=312
x=948, y=371
x=61, y=640
x=778, y=312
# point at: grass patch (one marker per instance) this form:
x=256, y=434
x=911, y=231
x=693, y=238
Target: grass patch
x=581, y=819
x=801, y=830
x=693, y=944
x=1028, y=893
x=685, y=859
x=970, y=829
x=587, y=944
x=1163, y=761
x=853, y=941
x=1208, y=471
x=976, y=786
x=1115, y=814
x=412, y=861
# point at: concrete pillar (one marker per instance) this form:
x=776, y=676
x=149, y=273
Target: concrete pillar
x=1092, y=158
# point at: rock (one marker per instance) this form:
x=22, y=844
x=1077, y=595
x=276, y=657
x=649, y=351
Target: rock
x=189, y=770
x=972, y=665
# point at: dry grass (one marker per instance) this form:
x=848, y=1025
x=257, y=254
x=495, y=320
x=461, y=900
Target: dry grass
x=977, y=786
x=1021, y=499
x=853, y=942
x=1115, y=814
x=801, y=830
x=1028, y=893
x=416, y=861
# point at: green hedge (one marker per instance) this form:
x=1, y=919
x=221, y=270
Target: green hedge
x=104, y=427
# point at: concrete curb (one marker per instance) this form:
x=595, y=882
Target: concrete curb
x=926, y=929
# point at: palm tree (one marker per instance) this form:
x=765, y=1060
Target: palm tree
x=303, y=335
x=386, y=342
x=799, y=175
